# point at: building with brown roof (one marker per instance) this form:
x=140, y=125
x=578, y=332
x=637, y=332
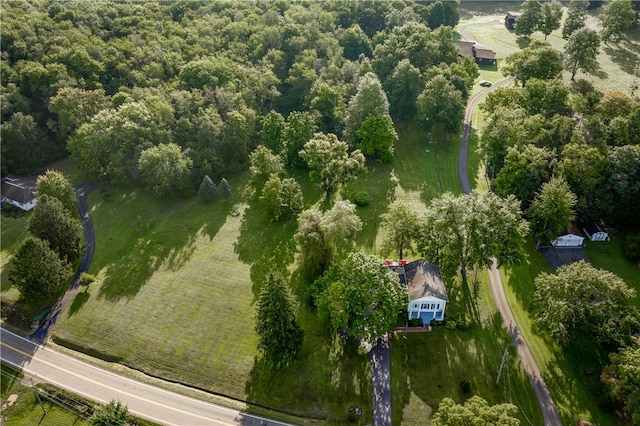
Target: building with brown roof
x=427, y=294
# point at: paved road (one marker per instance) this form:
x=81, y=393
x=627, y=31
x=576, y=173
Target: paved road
x=545, y=401
x=82, y=194
x=380, y=360
x=149, y=402
x=463, y=151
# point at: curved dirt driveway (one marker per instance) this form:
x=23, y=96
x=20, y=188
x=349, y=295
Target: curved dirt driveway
x=531, y=368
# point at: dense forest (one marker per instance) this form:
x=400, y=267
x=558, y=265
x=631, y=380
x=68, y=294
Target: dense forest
x=105, y=81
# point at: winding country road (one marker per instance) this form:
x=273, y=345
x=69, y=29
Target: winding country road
x=531, y=368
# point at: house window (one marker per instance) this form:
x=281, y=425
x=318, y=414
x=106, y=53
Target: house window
x=438, y=307
x=415, y=305
x=424, y=306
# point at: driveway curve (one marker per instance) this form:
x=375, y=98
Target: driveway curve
x=531, y=368
x=40, y=335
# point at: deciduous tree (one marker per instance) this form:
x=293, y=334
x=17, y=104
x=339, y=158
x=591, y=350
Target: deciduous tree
x=576, y=17
x=322, y=237
x=622, y=379
x=74, y=107
x=330, y=162
x=525, y=170
x=281, y=197
x=369, y=99
x=584, y=305
x=263, y=164
x=280, y=336
x=581, y=50
x=538, y=60
x=440, y=104
x=24, y=145
x=475, y=412
x=400, y=224
x=584, y=168
x=165, y=170
x=298, y=130
x=37, y=270
x=550, y=16
x=377, y=137
x=529, y=20
x=552, y=209
x=273, y=131
x=462, y=232
x=115, y=413
x=404, y=86
x=362, y=297
x=617, y=17
x=54, y=184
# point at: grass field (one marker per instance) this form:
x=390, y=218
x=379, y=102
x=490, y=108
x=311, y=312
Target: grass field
x=178, y=281
x=428, y=367
x=617, y=60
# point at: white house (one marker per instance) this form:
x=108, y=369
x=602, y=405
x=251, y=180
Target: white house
x=19, y=191
x=594, y=232
x=568, y=240
x=427, y=294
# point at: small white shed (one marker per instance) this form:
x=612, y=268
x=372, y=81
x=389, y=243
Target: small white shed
x=568, y=240
x=594, y=232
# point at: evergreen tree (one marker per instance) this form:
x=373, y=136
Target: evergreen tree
x=224, y=189
x=37, y=270
x=50, y=221
x=280, y=336
x=207, y=189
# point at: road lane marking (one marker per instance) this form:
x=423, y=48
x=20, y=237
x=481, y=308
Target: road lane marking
x=16, y=350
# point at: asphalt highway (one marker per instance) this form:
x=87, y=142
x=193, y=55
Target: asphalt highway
x=153, y=403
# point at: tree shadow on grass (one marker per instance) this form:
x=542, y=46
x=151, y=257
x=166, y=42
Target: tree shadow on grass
x=379, y=183
x=267, y=246
x=625, y=58
x=143, y=234
x=327, y=379
x=523, y=42
x=575, y=375
x=80, y=299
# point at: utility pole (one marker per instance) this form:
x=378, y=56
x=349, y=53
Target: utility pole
x=33, y=387
x=504, y=358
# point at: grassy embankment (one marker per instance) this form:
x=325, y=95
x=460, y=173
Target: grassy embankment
x=21, y=407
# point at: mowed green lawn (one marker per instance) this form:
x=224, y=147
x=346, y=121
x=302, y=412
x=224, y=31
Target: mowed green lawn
x=617, y=60
x=427, y=367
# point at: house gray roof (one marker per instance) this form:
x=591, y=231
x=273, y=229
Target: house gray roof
x=484, y=53
x=423, y=279
x=465, y=48
x=19, y=189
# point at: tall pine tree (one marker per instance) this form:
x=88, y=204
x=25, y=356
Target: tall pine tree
x=279, y=333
